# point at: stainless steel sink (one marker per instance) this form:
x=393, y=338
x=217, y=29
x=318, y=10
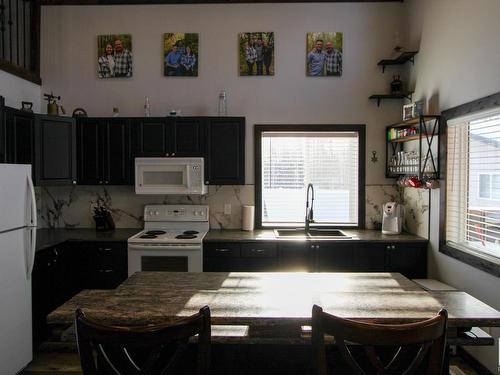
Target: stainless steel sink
x=328, y=234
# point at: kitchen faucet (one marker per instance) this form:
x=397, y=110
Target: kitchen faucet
x=309, y=211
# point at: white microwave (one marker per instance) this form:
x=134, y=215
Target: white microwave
x=176, y=176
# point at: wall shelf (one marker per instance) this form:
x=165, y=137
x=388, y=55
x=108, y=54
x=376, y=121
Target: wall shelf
x=379, y=97
x=407, y=158
x=400, y=60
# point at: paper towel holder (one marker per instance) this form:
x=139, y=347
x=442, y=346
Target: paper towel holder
x=247, y=218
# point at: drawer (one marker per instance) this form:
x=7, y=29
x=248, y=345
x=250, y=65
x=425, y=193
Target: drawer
x=259, y=250
x=225, y=250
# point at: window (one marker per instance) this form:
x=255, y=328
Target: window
x=473, y=184
x=488, y=186
x=291, y=159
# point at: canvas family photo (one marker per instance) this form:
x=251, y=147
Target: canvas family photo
x=180, y=55
x=324, y=54
x=256, y=54
x=114, y=55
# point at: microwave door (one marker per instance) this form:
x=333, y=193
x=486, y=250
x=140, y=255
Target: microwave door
x=163, y=179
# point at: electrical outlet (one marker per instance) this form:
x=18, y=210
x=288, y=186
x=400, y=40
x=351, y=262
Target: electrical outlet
x=227, y=208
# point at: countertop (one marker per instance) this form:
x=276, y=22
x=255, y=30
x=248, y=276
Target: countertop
x=51, y=237
x=229, y=235
x=276, y=299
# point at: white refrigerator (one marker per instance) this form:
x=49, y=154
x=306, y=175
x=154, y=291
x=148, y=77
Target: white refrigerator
x=17, y=253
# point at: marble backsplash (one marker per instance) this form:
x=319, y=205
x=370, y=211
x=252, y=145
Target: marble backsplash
x=71, y=206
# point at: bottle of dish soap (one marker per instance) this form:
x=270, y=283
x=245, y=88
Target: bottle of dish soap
x=147, y=107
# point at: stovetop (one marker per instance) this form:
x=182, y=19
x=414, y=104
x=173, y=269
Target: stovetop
x=168, y=236
x=173, y=224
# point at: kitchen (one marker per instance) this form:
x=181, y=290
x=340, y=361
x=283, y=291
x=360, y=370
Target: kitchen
x=443, y=75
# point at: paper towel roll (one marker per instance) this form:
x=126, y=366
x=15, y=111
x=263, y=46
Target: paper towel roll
x=247, y=217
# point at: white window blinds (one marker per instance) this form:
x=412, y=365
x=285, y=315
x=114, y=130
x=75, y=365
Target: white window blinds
x=292, y=160
x=473, y=184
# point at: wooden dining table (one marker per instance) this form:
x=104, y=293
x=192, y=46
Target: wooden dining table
x=276, y=307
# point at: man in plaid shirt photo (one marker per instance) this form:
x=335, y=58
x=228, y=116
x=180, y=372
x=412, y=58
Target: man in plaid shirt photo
x=333, y=61
x=123, y=60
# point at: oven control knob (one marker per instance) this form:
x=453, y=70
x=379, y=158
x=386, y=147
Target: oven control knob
x=156, y=213
x=195, y=213
x=200, y=213
x=150, y=213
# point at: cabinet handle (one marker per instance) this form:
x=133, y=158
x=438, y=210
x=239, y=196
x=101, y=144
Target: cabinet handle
x=207, y=182
x=107, y=182
x=222, y=250
x=100, y=182
x=173, y=153
x=167, y=154
x=74, y=182
x=257, y=250
x=103, y=249
x=106, y=271
x=393, y=247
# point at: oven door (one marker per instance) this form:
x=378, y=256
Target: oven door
x=164, y=258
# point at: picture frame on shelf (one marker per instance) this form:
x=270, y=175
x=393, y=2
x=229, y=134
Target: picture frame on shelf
x=413, y=110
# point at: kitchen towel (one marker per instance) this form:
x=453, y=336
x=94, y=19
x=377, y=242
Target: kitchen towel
x=247, y=217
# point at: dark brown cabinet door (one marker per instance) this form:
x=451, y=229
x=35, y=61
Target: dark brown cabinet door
x=153, y=137
x=55, y=150
x=225, y=157
x=334, y=257
x=89, y=160
x=189, y=137
x=369, y=257
x=19, y=133
x=117, y=162
x=410, y=259
x=296, y=257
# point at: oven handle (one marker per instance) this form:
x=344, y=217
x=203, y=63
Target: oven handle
x=163, y=247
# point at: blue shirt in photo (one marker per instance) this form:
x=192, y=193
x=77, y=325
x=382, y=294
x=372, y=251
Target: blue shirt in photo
x=173, y=58
x=316, y=62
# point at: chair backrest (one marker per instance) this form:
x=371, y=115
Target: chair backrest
x=410, y=346
x=151, y=350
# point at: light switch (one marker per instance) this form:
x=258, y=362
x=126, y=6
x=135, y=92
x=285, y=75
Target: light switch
x=227, y=208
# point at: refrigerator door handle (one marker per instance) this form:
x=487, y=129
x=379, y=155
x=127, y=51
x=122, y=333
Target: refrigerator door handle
x=33, y=220
x=32, y=250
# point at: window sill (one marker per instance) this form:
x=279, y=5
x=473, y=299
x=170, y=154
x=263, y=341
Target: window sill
x=472, y=259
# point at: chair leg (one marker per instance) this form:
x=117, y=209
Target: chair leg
x=446, y=360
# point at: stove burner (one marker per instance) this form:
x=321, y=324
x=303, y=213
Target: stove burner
x=155, y=232
x=185, y=236
x=188, y=232
x=148, y=236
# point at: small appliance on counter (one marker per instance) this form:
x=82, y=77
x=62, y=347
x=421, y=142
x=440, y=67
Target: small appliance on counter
x=392, y=218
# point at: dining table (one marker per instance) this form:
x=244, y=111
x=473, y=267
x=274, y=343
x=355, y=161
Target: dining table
x=259, y=307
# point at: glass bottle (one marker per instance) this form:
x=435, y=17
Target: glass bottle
x=222, y=108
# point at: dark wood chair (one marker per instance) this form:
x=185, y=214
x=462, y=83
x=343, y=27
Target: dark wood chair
x=151, y=350
x=368, y=348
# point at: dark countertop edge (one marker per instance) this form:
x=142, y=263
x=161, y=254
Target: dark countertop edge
x=49, y=237
x=365, y=235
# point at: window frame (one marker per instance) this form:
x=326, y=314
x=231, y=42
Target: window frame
x=358, y=128
x=475, y=259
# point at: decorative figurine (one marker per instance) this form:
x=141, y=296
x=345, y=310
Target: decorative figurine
x=396, y=85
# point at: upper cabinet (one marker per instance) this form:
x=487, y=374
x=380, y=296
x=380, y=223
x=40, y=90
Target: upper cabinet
x=103, y=151
x=55, y=150
x=225, y=156
x=170, y=136
x=19, y=135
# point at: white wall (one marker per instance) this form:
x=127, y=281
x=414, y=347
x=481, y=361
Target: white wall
x=68, y=64
x=458, y=62
x=16, y=90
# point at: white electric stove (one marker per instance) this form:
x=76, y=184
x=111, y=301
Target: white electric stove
x=172, y=239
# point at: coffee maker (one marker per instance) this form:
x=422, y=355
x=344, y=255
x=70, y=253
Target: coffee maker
x=392, y=218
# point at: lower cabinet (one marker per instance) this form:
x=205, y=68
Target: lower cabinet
x=409, y=258
x=240, y=257
x=62, y=271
